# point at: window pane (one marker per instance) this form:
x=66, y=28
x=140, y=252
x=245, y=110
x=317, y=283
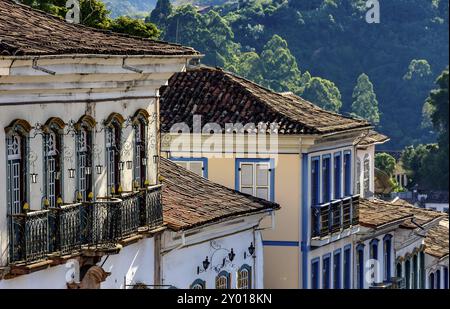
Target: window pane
x=247, y=175
x=196, y=167
x=262, y=193
x=182, y=164
x=262, y=174
x=247, y=190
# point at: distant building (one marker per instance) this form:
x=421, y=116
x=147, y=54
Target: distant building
x=435, y=200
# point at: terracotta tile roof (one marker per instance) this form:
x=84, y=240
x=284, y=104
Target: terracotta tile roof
x=437, y=240
x=372, y=138
x=377, y=213
x=422, y=216
x=222, y=97
x=25, y=31
x=190, y=200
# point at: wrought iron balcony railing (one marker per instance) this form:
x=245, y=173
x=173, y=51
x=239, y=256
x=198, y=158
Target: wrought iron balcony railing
x=335, y=216
x=68, y=228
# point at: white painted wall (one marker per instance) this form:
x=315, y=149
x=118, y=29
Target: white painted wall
x=179, y=264
x=362, y=153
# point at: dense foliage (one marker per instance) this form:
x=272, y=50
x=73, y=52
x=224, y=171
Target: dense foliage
x=428, y=165
x=385, y=162
x=93, y=13
x=319, y=49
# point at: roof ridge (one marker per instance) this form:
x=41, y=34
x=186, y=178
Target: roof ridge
x=106, y=31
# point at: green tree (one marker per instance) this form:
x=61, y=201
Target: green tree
x=323, y=93
x=385, y=162
x=160, y=13
x=365, y=102
x=134, y=27
x=280, y=69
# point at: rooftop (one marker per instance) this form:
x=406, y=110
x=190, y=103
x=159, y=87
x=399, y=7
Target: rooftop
x=372, y=138
x=190, y=200
x=222, y=97
x=26, y=31
x=378, y=213
x=437, y=240
x=422, y=216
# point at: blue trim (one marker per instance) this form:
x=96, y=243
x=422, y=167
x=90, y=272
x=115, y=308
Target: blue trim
x=250, y=275
x=337, y=252
x=315, y=262
x=281, y=243
x=272, y=174
x=348, y=188
x=315, y=182
x=387, y=249
x=326, y=178
x=387, y=237
x=227, y=275
x=360, y=247
x=331, y=149
x=304, y=207
x=360, y=270
x=374, y=248
x=199, y=282
x=326, y=273
x=202, y=159
x=347, y=270
x=337, y=174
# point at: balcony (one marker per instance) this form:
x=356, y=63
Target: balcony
x=69, y=229
x=335, y=217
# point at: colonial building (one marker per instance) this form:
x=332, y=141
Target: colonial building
x=280, y=148
x=213, y=237
x=436, y=256
x=79, y=151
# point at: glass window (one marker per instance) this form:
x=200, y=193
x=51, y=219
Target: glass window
x=315, y=274
x=140, y=152
x=431, y=281
x=347, y=174
x=337, y=176
x=244, y=277
x=358, y=176
x=52, y=166
x=360, y=267
x=326, y=272
x=337, y=270
x=387, y=257
x=113, y=147
x=84, y=161
x=255, y=179
x=315, y=182
x=223, y=280
x=16, y=155
x=326, y=180
x=198, y=285
x=347, y=268
x=195, y=166
x=366, y=182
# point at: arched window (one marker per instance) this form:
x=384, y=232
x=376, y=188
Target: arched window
x=244, y=277
x=415, y=276
x=360, y=266
x=140, y=125
x=113, y=148
x=198, y=285
x=17, y=153
x=223, y=280
x=84, y=143
x=358, y=176
x=53, y=161
x=438, y=279
x=431, y=281
x=399, y=270
x=408, y=273
x=387, y=245
x=366, y=182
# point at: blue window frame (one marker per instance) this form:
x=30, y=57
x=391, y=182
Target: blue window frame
x=315, y=181
x=315, y=268
x=198, y=284
x=446, y=278
x=431, y=281
x=438, y=279
x=244, y=278
x=326, y=266
x=347, y=173
x=337, y=175
x=196, y=165
x=387, y=256
x=326, y=178
x=347, y=266
x=337, y=269
x=360, y=266
x=256, y=177
x=374, y=249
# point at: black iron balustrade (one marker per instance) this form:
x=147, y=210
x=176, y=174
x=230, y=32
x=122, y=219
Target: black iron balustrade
x=29, y=236
x=65, y=228
x=335, y=216
x=153, y=207
x=68, y=228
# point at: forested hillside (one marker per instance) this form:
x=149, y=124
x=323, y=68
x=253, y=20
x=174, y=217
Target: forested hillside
x=325, y=51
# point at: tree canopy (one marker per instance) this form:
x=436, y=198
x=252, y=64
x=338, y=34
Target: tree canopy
x=365, y=104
